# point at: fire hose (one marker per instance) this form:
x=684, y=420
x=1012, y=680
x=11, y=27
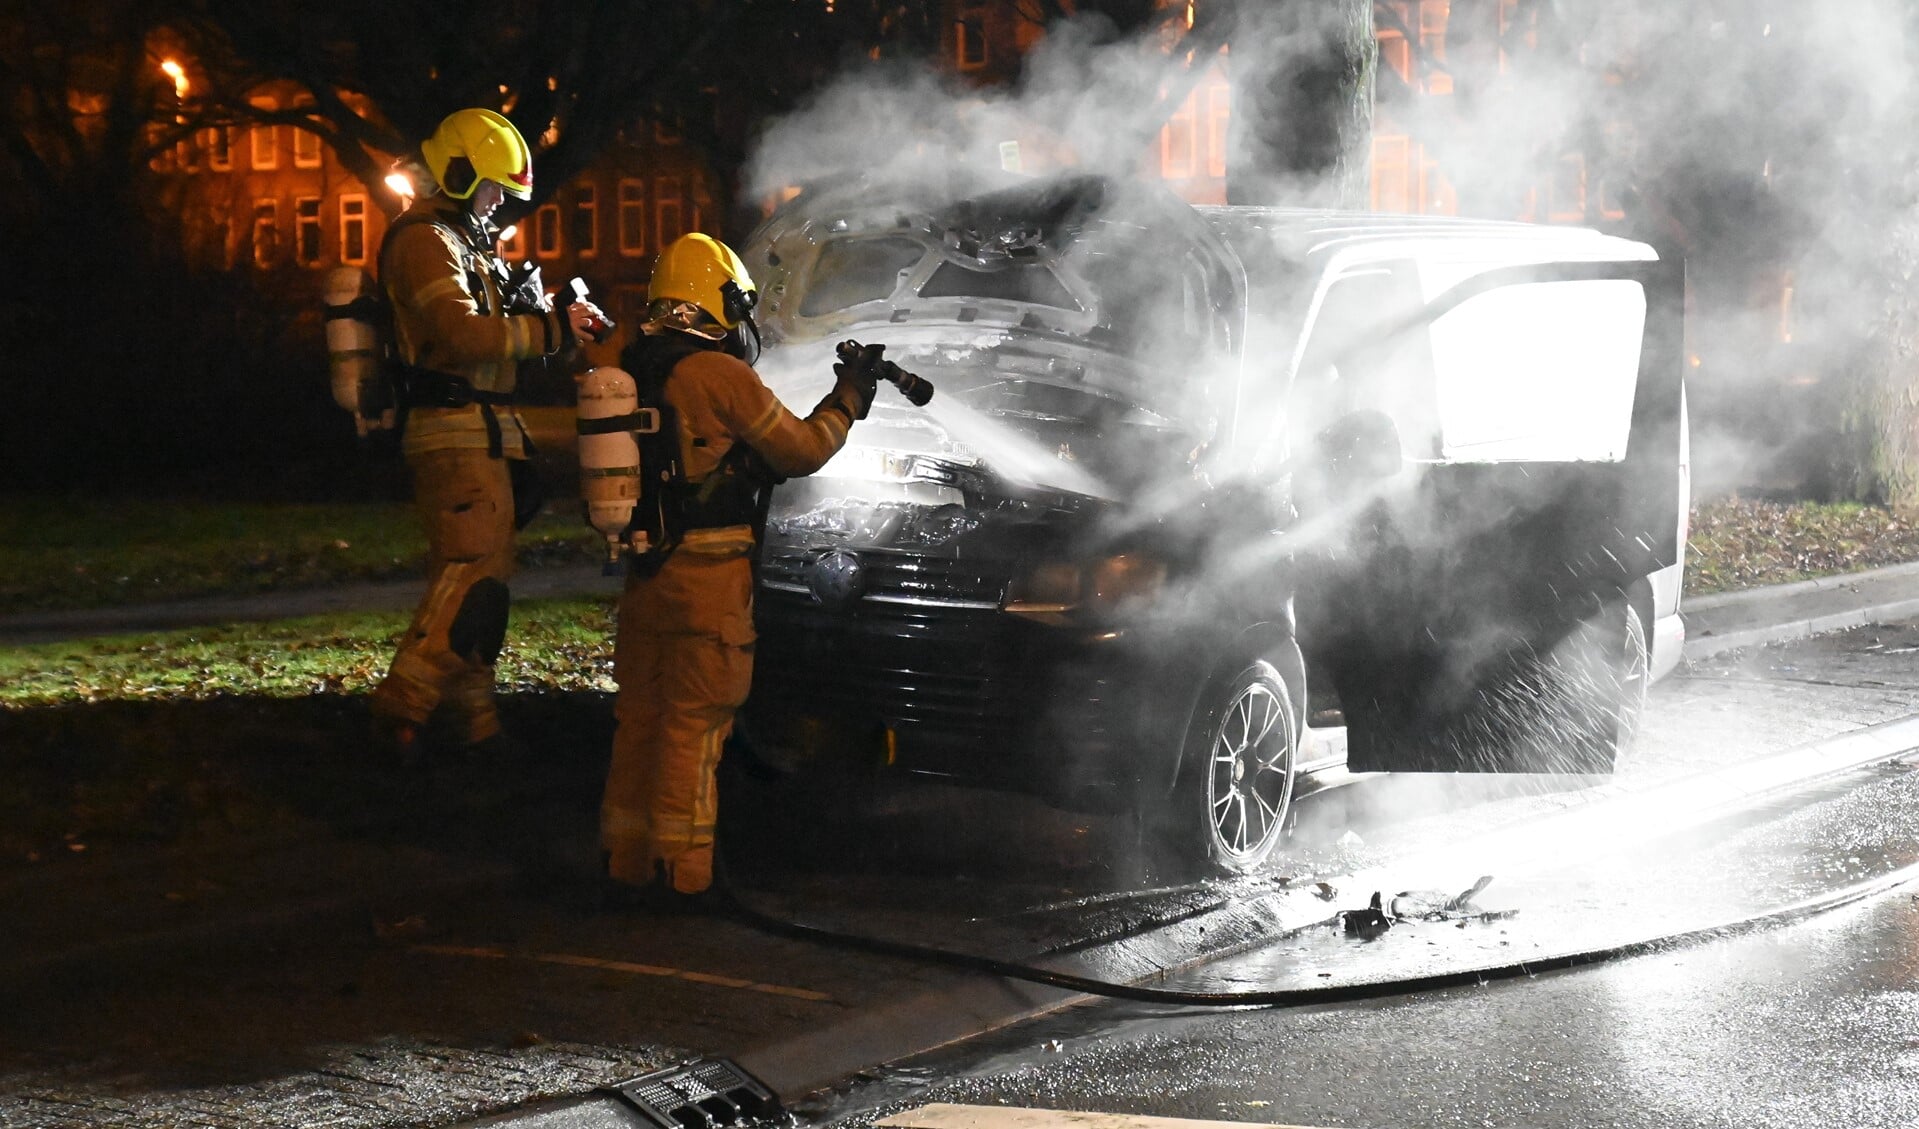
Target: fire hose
x=1331, y=994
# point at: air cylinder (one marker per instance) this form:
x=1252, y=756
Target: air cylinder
x=353, y=349
x=609, y=456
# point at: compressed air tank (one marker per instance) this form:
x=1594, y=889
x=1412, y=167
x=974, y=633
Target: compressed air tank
x=609, y=456
x=353, y=348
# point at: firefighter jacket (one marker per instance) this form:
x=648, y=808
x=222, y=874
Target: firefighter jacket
x=721, y=402
x=442, y=280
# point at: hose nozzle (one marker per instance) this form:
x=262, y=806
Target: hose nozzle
x=868, y=358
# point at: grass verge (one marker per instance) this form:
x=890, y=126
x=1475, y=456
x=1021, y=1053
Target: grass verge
x=57, y=554
x=1737, y=543
x=561, y=645
x=233, y=735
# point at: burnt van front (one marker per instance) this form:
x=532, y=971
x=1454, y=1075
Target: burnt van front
x=968, y=589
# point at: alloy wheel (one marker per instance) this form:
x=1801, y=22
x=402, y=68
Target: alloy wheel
x=1250, y=773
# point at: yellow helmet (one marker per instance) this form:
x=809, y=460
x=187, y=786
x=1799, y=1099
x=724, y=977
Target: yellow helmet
x=475, y=145
x=700, y=286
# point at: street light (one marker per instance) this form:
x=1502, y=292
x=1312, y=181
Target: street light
x=178, y=74
x=401, y=184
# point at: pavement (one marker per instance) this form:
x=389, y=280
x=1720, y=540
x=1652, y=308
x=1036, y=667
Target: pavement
x=1780, y=613
x=145, y=907
x=26, y=628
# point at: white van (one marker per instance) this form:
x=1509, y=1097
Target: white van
x=1196, y=477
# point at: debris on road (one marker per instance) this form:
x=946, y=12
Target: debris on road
x=1369, y=922
x=1420, y=905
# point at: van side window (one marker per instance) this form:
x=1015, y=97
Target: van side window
x=1540, y=371
x=1355, y=360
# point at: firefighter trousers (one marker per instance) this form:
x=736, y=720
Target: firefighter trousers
x=683, y=659
x=446, y=658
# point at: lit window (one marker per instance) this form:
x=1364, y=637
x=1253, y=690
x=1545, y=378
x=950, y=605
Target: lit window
x=1396, y=53
x=669, y=219
x=1219, y=115
x=1568, y=189
x=266, y=232
x=266, y=147
x=1611, y=205
x=162, y=159
x=306, y=230
x=1392, y=173
x=220, y=223
x=513, y=242
x=632, y=217
x=969, y=36
x=353, y=242
x=1539, y=371
x=187, y=154
x=1176, y=142
x=586, y=221
x=546, y=231
x=306, y=149
x=219, y=146
x=1433, y=15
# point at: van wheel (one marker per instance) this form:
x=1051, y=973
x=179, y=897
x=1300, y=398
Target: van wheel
x=1577, y=707
x=1571, y=708
x=1619, y=634
x=1236, y=789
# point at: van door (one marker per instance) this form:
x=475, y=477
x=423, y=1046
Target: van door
x=1539, y=408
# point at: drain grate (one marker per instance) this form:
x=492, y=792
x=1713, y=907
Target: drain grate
x=706, y=1093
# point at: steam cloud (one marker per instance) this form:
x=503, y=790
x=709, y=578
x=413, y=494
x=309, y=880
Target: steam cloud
x=1764, y=142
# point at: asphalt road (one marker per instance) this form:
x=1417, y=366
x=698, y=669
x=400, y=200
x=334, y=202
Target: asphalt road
x=516, y=990
x=1804, y=1026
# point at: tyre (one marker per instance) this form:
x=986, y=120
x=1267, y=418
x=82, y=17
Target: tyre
x=1570, y=707
x=1236, y=789
x=1618, y=636
x=1576, y=707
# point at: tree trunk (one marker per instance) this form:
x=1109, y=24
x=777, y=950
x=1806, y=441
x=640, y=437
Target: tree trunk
x=1878, y=454
x=1302, y=123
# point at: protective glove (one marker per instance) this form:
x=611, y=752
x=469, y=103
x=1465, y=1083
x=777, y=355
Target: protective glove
x=860, y=385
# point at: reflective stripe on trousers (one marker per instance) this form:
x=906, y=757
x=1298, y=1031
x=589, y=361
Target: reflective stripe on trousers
x=465, y=502
x=683, y=658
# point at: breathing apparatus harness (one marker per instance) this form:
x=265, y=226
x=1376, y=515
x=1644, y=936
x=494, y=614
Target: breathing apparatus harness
x=737, y=492
x=414, y=386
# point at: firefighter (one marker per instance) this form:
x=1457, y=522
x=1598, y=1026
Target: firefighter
x=459, y=335
x=683, y=653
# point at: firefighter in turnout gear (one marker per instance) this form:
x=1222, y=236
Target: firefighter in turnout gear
x=683, y=654
x=459, y=333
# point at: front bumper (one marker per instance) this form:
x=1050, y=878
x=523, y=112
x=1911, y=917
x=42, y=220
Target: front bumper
x=970, y=693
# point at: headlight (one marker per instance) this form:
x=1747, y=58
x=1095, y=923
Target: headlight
x=1056, y=590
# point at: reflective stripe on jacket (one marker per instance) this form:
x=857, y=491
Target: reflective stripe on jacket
x=721, y=401
x=447, y=317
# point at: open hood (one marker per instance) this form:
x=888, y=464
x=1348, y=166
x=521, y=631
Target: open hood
x=1082, y=332
x=1116, y=266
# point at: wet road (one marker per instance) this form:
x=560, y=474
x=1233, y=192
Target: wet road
x=1813, y=1023
x=526, y=993
x=1813, y=1026
x=1804, y=1026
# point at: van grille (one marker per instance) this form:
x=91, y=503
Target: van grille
x=896, y=578
x=956, y=670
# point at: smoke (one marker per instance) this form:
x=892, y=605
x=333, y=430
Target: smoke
x=1086, y=99
x=1764, y=143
